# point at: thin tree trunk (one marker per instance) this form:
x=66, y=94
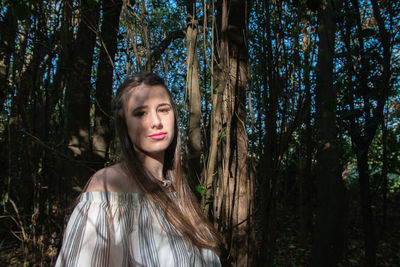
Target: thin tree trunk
x=330, y=227
x=8, y=28
x=28, y=96
x=361, y=140
x=63, y=68
x=268, y=169
x=305, y=209
x=366, y=211
x=384, y=171
x=146, y=37
x=66, y=39
x=306, y=182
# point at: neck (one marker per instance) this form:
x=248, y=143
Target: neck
x=153, y=163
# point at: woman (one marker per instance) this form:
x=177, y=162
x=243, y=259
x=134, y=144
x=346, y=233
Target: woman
x=140, y=211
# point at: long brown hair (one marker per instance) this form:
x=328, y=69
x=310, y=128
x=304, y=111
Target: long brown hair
x=182, y=211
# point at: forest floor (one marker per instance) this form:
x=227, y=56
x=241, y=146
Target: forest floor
x=291, y=252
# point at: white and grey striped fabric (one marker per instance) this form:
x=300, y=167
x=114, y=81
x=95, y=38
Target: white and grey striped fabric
x=121, y=229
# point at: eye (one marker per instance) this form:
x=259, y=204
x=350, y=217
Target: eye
x=139, y=114
x=164, y=109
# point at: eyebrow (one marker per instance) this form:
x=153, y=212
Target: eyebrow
x=145, y=106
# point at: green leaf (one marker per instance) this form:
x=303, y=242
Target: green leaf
x=209, y=201
x=215, y=89
x=201, y=189
x=5, y=199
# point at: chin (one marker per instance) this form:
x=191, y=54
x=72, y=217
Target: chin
x=155, y=149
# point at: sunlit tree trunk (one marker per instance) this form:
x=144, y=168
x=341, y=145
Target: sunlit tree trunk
x=233, y=197
x=109, y=36
x=331, y=213
x=193, y=92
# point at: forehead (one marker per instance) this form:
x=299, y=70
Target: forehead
x=145, y=95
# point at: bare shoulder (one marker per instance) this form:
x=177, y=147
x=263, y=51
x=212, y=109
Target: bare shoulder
x=111, y=179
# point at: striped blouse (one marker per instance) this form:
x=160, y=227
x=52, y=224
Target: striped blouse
x=122, y=229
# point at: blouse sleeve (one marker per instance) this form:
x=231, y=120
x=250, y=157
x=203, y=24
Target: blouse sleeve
x=90, y=236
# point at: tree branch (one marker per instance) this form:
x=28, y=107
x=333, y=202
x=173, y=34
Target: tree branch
x=160, y=48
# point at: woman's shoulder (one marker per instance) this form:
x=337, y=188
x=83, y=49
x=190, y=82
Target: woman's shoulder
x=111, y=179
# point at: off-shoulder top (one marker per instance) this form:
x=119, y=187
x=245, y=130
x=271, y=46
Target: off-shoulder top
x=125, y=229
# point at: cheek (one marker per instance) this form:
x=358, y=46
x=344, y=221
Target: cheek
x=172, y=125
x=135, y=129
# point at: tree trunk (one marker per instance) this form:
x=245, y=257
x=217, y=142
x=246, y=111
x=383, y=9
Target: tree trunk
x=233, y=198
x=306, y=184
x=193, y=91
x=306, y=174
x=384, y=172
x=8, y=28
x=109, y=37
x=29, y=98
x=372, y=116
x=79, y=88
x=366, y=211
x=218, y=86
x=66, y=39
x=268, y=170
x=330, y=225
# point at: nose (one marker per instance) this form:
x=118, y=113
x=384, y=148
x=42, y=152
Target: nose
x=156, y=120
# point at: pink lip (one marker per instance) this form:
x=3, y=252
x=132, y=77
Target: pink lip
x=158, y=136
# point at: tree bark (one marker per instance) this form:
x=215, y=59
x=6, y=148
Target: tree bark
x=366, y=211
x=384, y=172
x=194, y=99
x=77, y=135
x=8, y=28
x=109, y=36
x=330, y=225
x=306, y=172
x=233, y=198
x=79, y=81
x=269, y=160
x=362, y=134
x=65, y=47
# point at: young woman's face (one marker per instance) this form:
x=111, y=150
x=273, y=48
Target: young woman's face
x=150, y=119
